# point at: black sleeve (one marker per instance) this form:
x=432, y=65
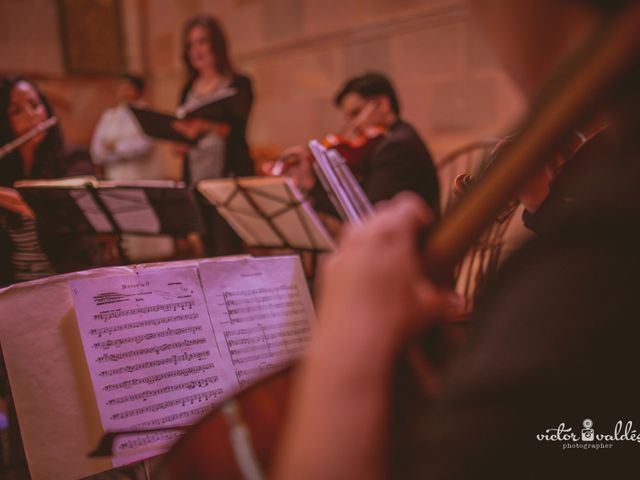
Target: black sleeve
x=184, y=92
x=403, y=163
x=243, y=101
x=239, y=162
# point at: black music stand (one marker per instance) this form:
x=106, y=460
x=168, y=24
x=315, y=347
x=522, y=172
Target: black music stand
x=268, y=212
x=141, y=208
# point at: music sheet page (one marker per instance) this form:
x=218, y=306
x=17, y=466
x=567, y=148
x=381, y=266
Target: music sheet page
x=151, y=351
x=166, y=344
x=262, y=313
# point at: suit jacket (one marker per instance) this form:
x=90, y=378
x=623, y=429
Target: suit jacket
x=401, y=161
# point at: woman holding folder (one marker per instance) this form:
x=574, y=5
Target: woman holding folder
x=222, y=148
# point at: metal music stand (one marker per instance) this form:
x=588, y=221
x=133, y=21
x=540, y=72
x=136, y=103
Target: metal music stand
x=142, y=208
x=268, y=212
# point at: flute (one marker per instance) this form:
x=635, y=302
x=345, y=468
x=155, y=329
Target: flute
x=7, y=148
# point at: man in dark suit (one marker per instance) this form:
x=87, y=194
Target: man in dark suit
x=400, y=160
x=394, y=160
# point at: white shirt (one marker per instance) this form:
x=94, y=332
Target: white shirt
x=133, y=155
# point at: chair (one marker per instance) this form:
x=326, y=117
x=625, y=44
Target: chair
x=505, y=235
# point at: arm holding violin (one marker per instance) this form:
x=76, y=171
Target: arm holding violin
x=338, y=426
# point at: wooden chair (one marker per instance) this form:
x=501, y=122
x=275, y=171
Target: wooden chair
x=485, y=256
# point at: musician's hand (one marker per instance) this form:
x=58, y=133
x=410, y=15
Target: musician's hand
x=297, y=164
x=375, y=278
x=11, y=200
x=180, y=149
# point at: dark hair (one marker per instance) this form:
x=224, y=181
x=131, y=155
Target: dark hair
x=11, y=166
x=135, y=80
x=217, y=43
x=370, y=85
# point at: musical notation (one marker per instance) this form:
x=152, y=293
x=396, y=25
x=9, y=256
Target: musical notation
x=173, y=359
x=190, y=399
x=246, y=376
x=148, y=439
x=154, y=322
x=203, y=382
x=151, y=379
x=299, y=334
x=169, y=332
x=169, y=344
x=116, y=357
x=269, y=303
x=180, y=417
x=166, y=307
x=275, y=328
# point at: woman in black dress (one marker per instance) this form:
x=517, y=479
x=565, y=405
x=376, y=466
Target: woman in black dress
x=222, y=150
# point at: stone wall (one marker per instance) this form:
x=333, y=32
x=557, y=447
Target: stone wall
x=298, y=53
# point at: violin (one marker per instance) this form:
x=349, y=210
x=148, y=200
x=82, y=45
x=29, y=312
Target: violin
x=218, y=447
x=355, y=141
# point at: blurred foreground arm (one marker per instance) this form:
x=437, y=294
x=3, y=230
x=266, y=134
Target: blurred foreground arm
x=374, y=295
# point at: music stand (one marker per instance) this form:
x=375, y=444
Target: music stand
x=141, y=208
x=268, y=212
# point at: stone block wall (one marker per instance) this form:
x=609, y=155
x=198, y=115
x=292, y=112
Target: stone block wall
x=298, y=53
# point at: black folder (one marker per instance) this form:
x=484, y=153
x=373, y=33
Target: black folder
x=215, y=108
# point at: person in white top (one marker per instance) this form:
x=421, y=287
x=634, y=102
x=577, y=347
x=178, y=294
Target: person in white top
x=127, y=154
x=118, y=142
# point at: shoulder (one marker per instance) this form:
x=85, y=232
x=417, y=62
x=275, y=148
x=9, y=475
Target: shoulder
x=403, y=139
x=241, y=81
x=402, y=131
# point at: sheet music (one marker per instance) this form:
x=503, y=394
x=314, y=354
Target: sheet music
x=95, y=216
x=262, y=313
x=131, y=209
x=267, y=211
x=151, y=351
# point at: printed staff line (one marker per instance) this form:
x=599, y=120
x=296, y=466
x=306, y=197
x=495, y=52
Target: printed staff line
x=247, y=331
x=190, y=385
x=151, y=379
x=107, y=344
x=268, y=356
x=267, y=337
x=198, y=397
x=268, y=347
x=175, y=359
x=154, y=322
x=142, y=310
x=115, y=357
x=196, y=412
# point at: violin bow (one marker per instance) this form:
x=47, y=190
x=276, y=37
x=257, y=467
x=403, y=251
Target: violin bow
x=582, y=86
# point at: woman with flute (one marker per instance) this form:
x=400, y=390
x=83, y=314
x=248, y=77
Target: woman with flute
x=26, y=252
